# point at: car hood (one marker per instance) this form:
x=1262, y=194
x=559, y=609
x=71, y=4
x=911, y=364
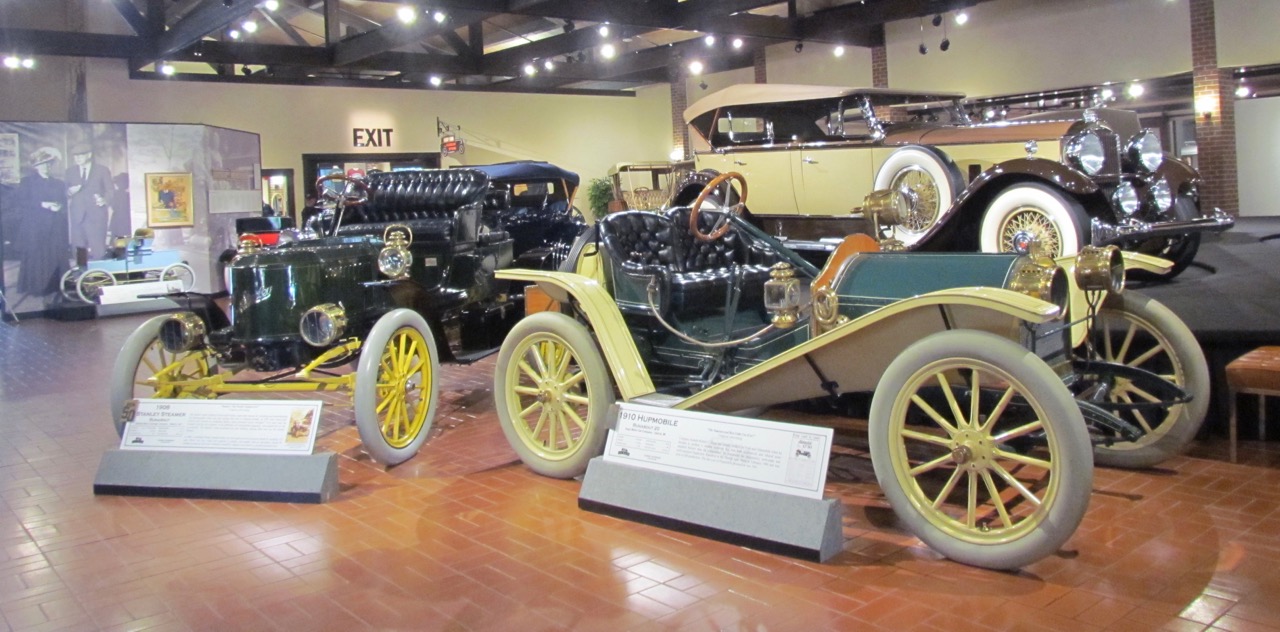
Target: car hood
x=1003, y=131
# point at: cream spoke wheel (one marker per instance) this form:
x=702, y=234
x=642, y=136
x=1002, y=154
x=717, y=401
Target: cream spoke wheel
x=553, y=392
x=143, y=368
x=1135, y=331
x=396, y=389
x=995, y=492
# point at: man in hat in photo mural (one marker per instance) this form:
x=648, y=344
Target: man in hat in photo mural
x=42, y=200
x=89, y=192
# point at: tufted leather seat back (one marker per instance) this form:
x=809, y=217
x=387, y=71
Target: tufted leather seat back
x=438, y=204
x=399, y=196
x=638, y=237
x=696, y=255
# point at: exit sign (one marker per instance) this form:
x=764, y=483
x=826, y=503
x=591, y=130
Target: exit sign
x=365, y=137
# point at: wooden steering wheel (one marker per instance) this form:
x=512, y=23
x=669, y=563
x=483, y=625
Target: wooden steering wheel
x=722, y=226
x=354, y=191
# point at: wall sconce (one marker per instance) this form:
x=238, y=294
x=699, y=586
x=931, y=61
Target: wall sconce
x=1205, y=105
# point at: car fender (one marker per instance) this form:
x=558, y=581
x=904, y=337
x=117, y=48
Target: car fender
x=1079, y=304
x=602, y=315
x=853, y=355
x=1182, y=179
x=1050, y=172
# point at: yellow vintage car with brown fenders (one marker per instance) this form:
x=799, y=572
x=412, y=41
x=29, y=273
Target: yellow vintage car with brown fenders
x=1068, y=178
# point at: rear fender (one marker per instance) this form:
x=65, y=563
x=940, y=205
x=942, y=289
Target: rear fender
x=601, y=313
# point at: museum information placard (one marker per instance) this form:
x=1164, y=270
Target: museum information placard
x=221, y=425
x=769, y=455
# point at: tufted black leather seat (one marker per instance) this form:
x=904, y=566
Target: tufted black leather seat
x=693, y=276
x=710, y=268
x=437, y=204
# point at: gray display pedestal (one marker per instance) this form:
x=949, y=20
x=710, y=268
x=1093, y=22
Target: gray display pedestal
x=805, y=528
x=311, y=478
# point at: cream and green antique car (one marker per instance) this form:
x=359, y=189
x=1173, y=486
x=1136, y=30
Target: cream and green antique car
x=1069, y=178
x=399, y=279
x=983, y=416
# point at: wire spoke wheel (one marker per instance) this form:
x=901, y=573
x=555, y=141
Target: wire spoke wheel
x=980, y=449
x=924, y=190
x=1034, y=221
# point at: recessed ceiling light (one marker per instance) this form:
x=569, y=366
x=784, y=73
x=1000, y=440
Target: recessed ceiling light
x=439, y=17
x=167, y=70
x=233, y=34
x=530, y=69
x=406, y=14
x=249, y=26
x=695, y=67
x=549, y=64
x=1243, y=91
x=838, y=51
x=709, y=40
x=1136, y=90
x=604, y=30
x=608, y=51
x=271, y=5
x=737, y=42
x=435, y=81
x=12, y=62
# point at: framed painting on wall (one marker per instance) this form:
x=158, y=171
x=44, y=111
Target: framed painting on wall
x=169, y=201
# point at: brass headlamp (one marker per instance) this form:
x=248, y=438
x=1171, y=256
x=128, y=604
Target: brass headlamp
x=395, y=259
x=1100, y=268
x=887, y=207
x=181, y=332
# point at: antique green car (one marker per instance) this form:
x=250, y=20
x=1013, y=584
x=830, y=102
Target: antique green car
x=400, y=279
x=969, y=358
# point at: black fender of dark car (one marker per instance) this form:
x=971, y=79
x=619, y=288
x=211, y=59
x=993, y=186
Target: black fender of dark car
x=960, y=230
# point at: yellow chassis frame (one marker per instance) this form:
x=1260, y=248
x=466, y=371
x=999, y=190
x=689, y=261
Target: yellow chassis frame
x=218, y=384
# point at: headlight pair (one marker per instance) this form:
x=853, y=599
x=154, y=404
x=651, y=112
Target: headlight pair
x=1128, y=201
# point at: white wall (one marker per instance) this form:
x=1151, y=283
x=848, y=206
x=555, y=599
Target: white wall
x=1258, y=155
x=586, y=134
x=1012, y=46
x=1246, y=32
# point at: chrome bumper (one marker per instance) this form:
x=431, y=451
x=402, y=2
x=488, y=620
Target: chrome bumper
x=1103, y=233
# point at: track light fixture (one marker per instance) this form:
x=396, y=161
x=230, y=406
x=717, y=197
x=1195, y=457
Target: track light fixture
x=937, y=19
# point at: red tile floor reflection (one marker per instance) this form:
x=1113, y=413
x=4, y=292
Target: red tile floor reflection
x=463, y=537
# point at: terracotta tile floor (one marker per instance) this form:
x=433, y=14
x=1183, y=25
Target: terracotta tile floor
x=463, y=537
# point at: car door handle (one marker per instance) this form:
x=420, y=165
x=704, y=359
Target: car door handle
x=738, y=162
x=810, y=161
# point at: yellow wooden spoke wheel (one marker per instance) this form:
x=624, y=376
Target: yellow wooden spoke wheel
x=1137, y=331
x=980, y=449
x=144, y=368
x=396, y=386
x=553, y=394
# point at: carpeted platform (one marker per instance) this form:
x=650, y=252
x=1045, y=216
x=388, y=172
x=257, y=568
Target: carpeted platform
x=1230, y=298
